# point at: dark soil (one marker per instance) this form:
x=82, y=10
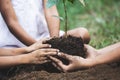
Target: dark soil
x=45, y=72
x=69, y=45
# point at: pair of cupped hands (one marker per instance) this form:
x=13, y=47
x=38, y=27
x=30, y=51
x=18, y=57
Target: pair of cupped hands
x=41, y=53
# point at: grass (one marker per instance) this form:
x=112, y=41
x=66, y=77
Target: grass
x=100, y=17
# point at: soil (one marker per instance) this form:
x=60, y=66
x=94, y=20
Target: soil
x=69, y=45
x=72, y=46
x=45, y=72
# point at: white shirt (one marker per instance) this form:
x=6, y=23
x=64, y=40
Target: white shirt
x=31, y=17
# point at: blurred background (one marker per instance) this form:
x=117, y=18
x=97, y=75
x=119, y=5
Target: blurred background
x=100, y=17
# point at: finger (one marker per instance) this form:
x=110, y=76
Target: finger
x=43, y=58
x=50, y=50
x=49, y=54
x=59, y=63
x=46, y=46
x=41, y=61
x=42, y=53
x=45, y=61
x=56, y=66
x=65, y=56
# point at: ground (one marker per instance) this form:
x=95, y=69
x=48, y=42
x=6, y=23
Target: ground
x=102, y=72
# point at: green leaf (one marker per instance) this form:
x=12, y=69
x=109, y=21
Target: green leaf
x=51, y=3
x=61, y=18
x=83, y=2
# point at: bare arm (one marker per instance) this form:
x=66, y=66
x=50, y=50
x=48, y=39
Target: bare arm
x=35, y=57
x=11, y=20
x=108, y=54
x=14, y=51
x=95, y=57
x=7, y=61
x=53, y=23
x=17, y=51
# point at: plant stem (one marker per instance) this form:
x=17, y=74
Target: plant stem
x=66, y=19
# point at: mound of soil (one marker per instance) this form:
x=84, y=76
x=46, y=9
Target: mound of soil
x=69, y=45
x=38, y=72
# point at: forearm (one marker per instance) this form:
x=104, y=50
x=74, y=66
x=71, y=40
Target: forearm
x=11, y=20
x=20, y=33
x=108, y=54
x=14, y=51
x=53, y=23
x=13, y=60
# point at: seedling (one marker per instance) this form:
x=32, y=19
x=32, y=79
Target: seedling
x=50, y=3
x=67, y=44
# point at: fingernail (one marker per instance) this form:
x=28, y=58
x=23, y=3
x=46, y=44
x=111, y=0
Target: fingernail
x=50, y=46
x=59, y=54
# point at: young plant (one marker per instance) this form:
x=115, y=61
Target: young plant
x=50, y=3
x=67, y=44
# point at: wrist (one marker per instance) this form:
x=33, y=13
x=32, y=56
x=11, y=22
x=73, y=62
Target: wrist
x=86, y=63
x=18, y=51
x=54, y=34
x=90, y=63
x=26, y=59
x=21, y=59
x=29, y=58
x=28, y=49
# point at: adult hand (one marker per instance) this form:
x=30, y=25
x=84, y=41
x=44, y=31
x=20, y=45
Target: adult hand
x=76, y=62
x=91, y=52
x=40, y=56
x=38, y=45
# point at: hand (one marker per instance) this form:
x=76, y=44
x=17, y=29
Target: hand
x=40, y=56
x=38, y=45
x=75, y=63
x=91, y=52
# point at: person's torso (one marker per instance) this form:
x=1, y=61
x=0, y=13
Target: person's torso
x=31, y=17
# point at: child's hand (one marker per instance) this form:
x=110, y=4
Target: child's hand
x=40, y=56
x=38, y=45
